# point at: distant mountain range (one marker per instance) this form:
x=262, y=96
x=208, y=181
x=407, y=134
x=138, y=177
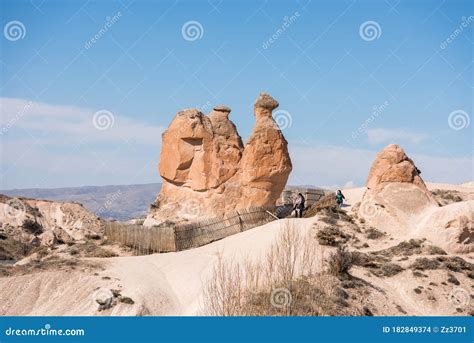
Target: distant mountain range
x=120, y=202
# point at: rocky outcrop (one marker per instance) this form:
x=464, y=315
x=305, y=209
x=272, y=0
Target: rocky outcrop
x=207, y=171
x=394, y=186
x=266, y=163
x=42, y=222
x=393, y=165
x=395, y=182
x=397, y=199
x=450, y=227
x=228, y=145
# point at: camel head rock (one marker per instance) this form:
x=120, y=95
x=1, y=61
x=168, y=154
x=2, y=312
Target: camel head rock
x=187, y=149
x=207, y=171
x=266, y=162
x=264, y=105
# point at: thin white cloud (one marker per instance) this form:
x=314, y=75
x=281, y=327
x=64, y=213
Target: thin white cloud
x=380, y=135
x=44, y=145
x=50, y=123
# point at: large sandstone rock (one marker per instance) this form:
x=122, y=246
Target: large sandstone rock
x=207, y=171
x=266, y=163
x=397, y=200
x=393, y=165
x=186, y=151
x=395, y=190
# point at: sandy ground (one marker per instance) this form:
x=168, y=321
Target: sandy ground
x=171, y=283
x=160, y=284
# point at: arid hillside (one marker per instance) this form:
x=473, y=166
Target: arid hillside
x=334, y=263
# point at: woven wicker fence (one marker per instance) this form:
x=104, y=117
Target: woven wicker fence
x=148, y=240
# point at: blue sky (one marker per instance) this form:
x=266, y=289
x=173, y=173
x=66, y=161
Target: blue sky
x=344, y=92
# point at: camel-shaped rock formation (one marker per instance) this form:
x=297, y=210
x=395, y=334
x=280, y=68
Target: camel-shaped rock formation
x=207, y=171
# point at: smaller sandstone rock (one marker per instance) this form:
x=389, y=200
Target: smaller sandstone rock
x=62, y=236
x=126, y=300
x=48, y=238
x=34, y=242
x=393, y=165
x=105, y=298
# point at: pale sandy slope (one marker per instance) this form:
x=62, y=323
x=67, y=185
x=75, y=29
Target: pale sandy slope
x=160, y=284
x=171, y=283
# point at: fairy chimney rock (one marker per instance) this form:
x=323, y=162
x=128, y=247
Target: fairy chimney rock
x=266, y=163
x=207, y=171
x=393, y=165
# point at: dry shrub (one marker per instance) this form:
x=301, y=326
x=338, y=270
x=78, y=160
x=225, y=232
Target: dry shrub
x=373, y=233
x=340, y=261
x=332, y=236
x=446, y=197
x=327, y=201
x=287, y=281
x=223, y=292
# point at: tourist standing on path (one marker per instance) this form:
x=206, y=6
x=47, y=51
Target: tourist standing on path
x=299, y=206
x=339, y=198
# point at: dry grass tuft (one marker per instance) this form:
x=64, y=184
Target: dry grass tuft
x=446, y=197
x=289, y=280
x=340, y=261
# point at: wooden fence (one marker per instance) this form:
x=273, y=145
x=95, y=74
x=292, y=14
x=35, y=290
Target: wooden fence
x=143, y=240
x=311, y=195
x=148, y=240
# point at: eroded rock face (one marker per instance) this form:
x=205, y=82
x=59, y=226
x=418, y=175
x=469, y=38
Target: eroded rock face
x=207, y=171
x=398, y=200
x=266, y=163
x=228, y=145
x=394, y=189
x=43, y=222
x=186, y=151
x=393, y=165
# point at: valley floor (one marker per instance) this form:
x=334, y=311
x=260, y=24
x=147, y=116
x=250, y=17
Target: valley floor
x=172, y=283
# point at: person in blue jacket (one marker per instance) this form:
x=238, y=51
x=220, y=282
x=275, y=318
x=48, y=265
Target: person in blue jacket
x=339, y=198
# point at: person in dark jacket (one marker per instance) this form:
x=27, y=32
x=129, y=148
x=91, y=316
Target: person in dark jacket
x=299, y=206
x=339, y=198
